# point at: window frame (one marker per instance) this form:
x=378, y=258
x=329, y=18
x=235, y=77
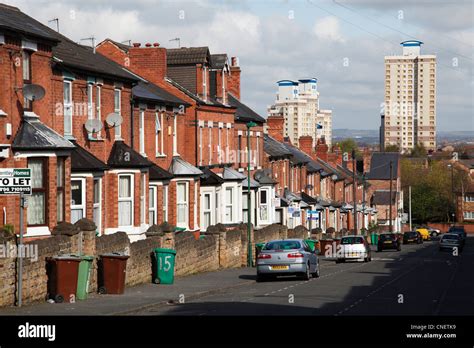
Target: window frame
x=152, y=208
x=43, y=190
x=165, y=198
x=83, y=205
x=118, y=110
x=207, y=211
x=141, y=132
x=68, y=107
x=185, y=203
x=130, y=198
x=61, y=188
x=97, y=205
x=143, y=198
x=27, y=104
x=231, y=205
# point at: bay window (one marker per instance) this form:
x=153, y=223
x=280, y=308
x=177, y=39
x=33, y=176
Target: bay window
x=37, y=203
x=125, y=200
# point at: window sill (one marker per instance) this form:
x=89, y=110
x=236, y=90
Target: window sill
x=95, y=139
x=158, y=155
x=3, y=113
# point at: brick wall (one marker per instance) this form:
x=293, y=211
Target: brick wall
x=194, y=256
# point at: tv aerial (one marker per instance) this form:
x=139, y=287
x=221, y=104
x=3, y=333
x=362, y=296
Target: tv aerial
x=93, y=125
x=113, y=119
x=33, y=92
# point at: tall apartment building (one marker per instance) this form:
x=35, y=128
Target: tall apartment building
x=298, y=103
x=410, y=98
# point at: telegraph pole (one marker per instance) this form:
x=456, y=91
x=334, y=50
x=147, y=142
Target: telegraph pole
x=390, y=200
x=354, y=190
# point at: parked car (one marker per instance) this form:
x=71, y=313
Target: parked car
x=450, y=241
x=287, y=257
x=412, y=237
x=424, y=233
x=459, y=230
x=434, y=232
x=389, y=241
x=354, y=248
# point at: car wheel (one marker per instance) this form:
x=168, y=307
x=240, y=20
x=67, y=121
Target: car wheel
x=307, y=274
x=261, y=278
x=316, y=274
x=434, y=234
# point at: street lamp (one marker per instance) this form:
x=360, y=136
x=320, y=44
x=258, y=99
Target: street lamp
x=249, y=243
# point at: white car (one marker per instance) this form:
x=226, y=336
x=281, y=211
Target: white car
x=353, y=248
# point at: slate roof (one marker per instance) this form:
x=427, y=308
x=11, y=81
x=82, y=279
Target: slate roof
x=274, y=148
x=123, y=156
x=382, y=197
x=380, y=165
x=308, y=199
x=297, y=156
x=209, y=178
x=11, y=18
x=232, y=175
x=209, y=101
x=122, y=46
x=154, y=93
x=266, y=180
x=83, y=161
x=218, y=61
x=187, y=55
x=291, y=196
x=179, y=167
x=253, y=184
x=243, y=112
x=35, y=135
x=158, y=174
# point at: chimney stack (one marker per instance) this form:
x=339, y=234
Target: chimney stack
x=322, y=149
x=275, y=126
x=306, y=145
x=233, y=81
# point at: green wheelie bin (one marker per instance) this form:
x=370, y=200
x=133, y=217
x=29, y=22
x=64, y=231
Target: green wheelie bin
x=83, y=277
x=164, y=267
x=311, y=243
x=258, y=248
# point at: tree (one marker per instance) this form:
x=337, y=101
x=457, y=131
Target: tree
x=392, y=148
x=418, y=151
x=349, y=144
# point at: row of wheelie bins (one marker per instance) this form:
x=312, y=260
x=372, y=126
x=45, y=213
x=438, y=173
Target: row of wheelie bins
x=69, y=275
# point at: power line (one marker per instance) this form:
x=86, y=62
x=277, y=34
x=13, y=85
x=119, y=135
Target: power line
x=395, y=29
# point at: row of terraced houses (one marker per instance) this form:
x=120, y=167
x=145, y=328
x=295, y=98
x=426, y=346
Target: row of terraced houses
x=131, y=136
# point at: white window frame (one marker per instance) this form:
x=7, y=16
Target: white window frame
x=175, y=135
x=245, y=207
x=165, y=202
x=83, y=197
x=90, y=101
x=257, y=152
x=118, y=110
x=143, y=189
x=469, y=198
x=141, y=132
x=230, y=204
x=185, y=203
x=152, y=204
x=159, y=144
x=219, y=143
x=207, y=210
x=204, y=83
x=200, y=145
x=68, y=107
x=267, y=205
x=468, y=215
x=98, y=205
x=130, y=199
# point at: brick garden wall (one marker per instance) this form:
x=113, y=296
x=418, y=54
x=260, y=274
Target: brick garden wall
x=217, y=249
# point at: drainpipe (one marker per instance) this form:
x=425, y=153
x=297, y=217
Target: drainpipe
x=196, y=136
x=131, y=116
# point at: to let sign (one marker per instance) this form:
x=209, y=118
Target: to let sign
x=15, y=181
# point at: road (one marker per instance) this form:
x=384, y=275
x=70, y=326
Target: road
x=419, y=280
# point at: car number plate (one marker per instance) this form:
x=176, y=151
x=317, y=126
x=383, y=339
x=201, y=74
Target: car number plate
x=279, y=267
x=388, y=242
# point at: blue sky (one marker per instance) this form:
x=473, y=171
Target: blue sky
x=312, y=40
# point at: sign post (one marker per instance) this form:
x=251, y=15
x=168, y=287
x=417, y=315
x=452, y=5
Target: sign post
x=17, y=181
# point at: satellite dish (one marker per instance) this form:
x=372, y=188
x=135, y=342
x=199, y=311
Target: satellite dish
x=93, y=125
x=113, y=119
x=33, y=92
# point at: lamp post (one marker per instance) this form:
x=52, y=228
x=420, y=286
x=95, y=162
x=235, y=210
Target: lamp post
x=249, y=242
x=354, y=189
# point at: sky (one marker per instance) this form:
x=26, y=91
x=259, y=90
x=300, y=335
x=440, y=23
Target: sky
x=340, y=42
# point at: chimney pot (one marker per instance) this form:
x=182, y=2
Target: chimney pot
x=156, y=44
x=136, y=44
x=148, y=44
x=235, y=61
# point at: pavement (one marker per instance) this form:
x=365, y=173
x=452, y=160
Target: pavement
x=419, y=280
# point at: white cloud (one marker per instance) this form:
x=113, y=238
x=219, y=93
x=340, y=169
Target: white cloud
x=328, y=28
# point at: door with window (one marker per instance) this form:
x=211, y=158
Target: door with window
x=97, y=205
x=206, y=210
x=78, y=199
x=37, y=202
x=125, y=200
x=182, y=199
x=152, y=213
x=264, y=205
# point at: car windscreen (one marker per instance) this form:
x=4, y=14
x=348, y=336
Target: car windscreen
x=387, y=236
x=450, y=237
x=352, y=240
x=410, y=234
x=282, y=245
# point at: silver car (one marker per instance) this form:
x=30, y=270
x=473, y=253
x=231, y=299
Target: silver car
x=451, y=241
x=287, y=257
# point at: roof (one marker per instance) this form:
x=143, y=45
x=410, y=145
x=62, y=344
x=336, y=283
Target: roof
x=187, y=55
x=380, y=165
x=230, y=174
x=11, y=18
x=35, y=135
x=122, y=46
x=83, y=161
x=123, y=156
x=209, y=178
x=179, y=167
x=297, y=156
x=152, y=92
x=253, y=184
x=382, y=197
x=308, y=199
x=158, y=174
x=290, y=196
x=274, y=148
x=218, y=61
x=243, y=112
x=266, y=180
x=209, y=101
